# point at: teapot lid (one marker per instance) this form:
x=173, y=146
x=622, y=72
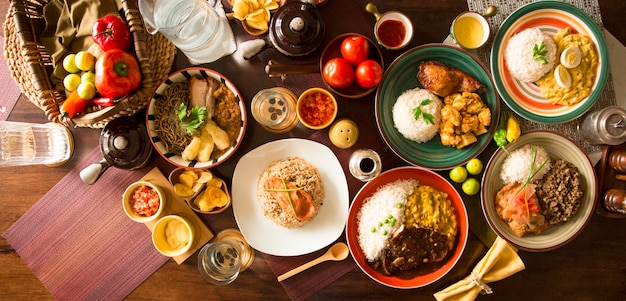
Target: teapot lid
x=125, y=144
x=297, y=28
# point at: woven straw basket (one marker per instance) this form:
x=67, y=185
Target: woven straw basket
x=31, y=66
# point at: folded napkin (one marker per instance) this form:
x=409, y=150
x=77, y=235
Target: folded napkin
x=501, y=261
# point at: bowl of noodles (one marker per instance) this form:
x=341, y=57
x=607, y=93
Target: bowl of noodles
x=196, y=118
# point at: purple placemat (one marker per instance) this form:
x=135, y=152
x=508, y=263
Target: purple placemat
x=78, y=241
x=10, y=91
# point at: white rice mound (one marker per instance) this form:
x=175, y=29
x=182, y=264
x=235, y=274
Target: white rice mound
x=519, y=59
x=404, y=119
x=516, y=166
x=383, y=203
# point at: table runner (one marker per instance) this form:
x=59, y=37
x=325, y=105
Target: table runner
x=10, y=91
x=78, y=241
x=505, y=8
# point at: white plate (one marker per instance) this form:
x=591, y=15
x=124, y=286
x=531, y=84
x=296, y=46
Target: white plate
x=266, y=236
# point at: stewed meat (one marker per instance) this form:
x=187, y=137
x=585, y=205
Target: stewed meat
x=560, y=192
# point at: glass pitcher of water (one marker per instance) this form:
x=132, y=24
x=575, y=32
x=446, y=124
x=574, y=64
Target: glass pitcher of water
x=199, y=28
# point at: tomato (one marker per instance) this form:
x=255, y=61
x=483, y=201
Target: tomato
x=338, y=73
x=368, y=74
x=355, y=49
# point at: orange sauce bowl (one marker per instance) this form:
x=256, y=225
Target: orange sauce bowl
x=316, y=108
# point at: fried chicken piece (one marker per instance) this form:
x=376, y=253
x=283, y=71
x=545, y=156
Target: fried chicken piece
x=444, y=80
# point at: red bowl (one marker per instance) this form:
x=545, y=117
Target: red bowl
x=424, y=177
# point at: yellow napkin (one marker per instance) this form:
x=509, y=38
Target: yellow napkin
x=501, y=261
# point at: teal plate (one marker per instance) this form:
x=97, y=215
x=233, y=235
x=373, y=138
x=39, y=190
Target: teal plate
x=525, y=99
x=401, y=76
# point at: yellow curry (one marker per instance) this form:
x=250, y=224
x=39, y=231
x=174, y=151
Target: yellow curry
x=582, y=76
x=431, y=208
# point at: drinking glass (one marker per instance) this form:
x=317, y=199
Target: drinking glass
x=23, y=143
x=219, y=262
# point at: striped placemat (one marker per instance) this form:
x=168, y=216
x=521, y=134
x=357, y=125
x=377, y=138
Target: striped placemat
x=505, y=8
x=78, y=241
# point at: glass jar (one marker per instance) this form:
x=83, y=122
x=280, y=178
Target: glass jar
x=606, y=126
x=275, y=110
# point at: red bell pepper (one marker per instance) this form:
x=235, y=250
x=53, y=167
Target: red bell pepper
x=111, y=32
x=117, y=74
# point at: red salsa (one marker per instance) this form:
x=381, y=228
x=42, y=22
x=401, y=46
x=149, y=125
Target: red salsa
x=145, y=201
x=391, y=33
x=317, y=109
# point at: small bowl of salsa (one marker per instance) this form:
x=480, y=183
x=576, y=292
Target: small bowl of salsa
x=143, y=201
x=393, y=30
x=317, y=108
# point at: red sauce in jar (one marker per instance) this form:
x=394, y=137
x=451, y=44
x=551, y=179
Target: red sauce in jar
x=145, y=201
x=317, y=109
x=391, y=33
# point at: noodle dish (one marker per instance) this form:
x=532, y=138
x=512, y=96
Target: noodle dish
x=196, y=118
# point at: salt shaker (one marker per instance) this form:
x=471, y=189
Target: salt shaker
x=606, y=126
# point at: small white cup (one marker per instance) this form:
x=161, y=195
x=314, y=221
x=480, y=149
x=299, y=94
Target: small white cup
x=470, y=30
x=393, y=30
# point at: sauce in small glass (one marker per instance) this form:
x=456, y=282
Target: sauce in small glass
x=391, y=33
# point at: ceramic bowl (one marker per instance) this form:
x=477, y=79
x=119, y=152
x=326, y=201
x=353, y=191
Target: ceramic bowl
x=127, y=198
x=424, y=177
x=311, y=100
x=558, y=147
x=173, y=235
x=183, y=76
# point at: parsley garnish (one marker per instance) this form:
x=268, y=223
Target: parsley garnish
x=192, y=119
x=417, y=112
x=539, y=53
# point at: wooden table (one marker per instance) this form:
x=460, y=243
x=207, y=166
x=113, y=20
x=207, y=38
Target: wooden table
x=591, y=267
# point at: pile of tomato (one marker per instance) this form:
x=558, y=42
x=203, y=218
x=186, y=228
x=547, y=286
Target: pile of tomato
x=353, y=65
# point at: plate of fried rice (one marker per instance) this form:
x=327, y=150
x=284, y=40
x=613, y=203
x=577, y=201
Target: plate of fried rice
x=398, y=93
x=384, y=213
x=525, y=97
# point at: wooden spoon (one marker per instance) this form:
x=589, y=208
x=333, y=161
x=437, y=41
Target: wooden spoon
x=337, y=252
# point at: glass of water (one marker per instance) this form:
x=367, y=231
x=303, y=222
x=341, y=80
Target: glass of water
x=23, y=143
x=219, y=262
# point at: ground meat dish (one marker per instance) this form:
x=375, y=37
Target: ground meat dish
x=227, y=112
x=560, y=192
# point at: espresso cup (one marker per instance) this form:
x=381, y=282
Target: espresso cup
x=470, y=30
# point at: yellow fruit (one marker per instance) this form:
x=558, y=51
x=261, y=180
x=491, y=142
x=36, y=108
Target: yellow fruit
x=71, y=82
x=69, y=63
x=88, y=77
x=84, y=60
x=86, y=90
x=513, y=130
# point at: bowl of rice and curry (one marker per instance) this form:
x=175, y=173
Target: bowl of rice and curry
x=407, y=227
x=549, y=62
x=196, y=118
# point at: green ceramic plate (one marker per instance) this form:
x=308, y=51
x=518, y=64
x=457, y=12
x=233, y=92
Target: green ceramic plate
x=525, y=98
x=401, y=76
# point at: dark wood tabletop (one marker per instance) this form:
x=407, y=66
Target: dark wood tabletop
x=591, y=267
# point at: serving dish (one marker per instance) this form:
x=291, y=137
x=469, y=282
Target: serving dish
x=266, y=236
x=401, y=76
x=525, y=98
x=184, y=75
x=424, y=177
x=128, y=194
x=162, y=231
x=558, y=147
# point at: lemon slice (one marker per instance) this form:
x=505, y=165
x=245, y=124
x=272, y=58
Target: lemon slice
x=562, y=76
x=571, y=57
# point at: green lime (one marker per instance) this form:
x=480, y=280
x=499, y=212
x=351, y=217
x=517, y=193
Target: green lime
x=471, y=186
x=71, y=82
x=474, y=166
x=69, y=63
x=458, y=174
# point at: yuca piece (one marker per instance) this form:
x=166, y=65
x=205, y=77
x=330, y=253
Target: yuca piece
x=290, y=192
